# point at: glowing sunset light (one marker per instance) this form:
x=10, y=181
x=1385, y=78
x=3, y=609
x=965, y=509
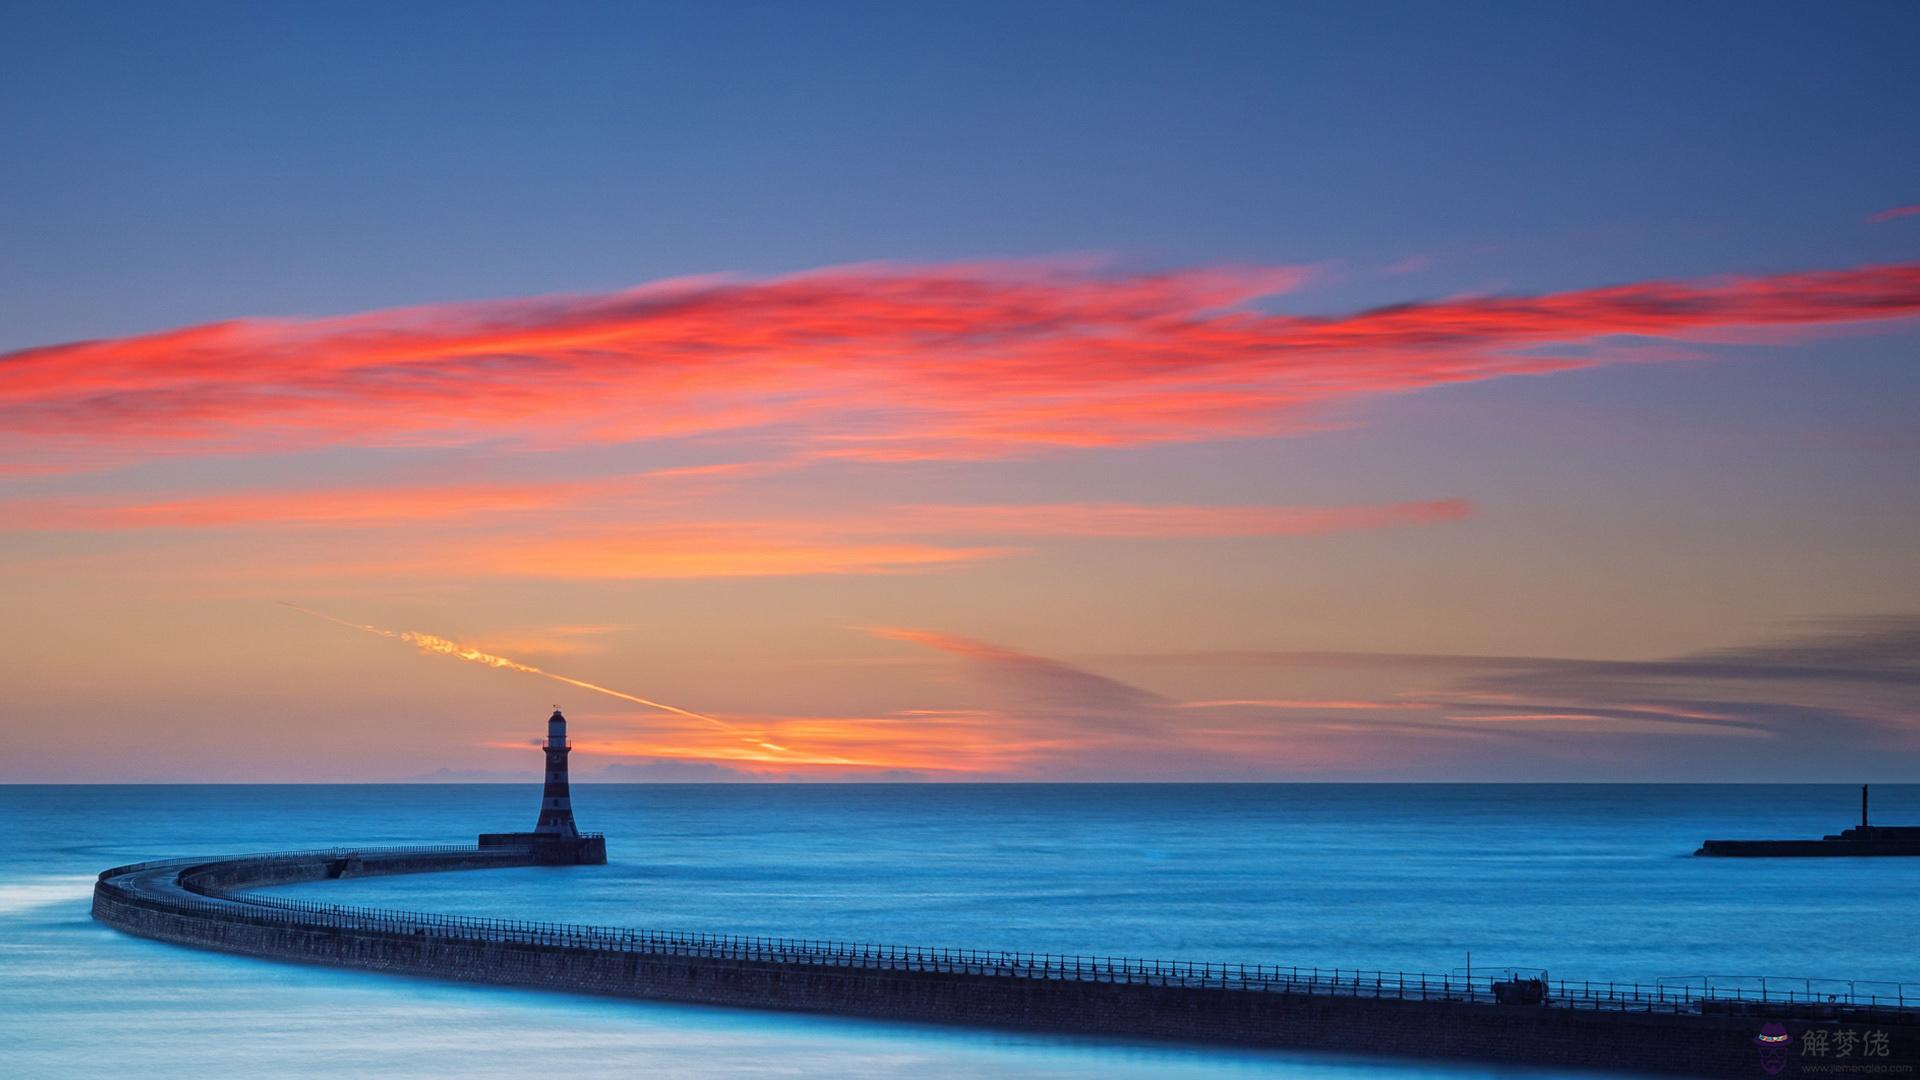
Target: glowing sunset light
x=934, y=743
x=1276, y=489
x=1128, y=420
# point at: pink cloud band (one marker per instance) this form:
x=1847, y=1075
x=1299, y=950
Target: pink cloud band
x=877, y=362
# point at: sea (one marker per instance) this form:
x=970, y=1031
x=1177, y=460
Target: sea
x=1591, y=882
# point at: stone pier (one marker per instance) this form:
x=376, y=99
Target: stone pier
x=205, y=903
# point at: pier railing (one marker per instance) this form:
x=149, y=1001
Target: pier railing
x=306, y=853
x=1674, y=994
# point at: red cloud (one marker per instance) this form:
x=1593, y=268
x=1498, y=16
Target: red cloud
x=881, y=362
x=1894, y=212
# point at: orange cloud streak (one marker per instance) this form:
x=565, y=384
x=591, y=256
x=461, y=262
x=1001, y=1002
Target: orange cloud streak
x=741, y=745
x=710, y=552
x=346, y=507
x=434, y=644
x=365, y=507
x=658, y=543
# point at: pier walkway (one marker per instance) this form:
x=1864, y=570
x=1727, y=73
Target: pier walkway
x=1699, y=1025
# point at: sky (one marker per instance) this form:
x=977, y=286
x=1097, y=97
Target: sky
x=971, y=392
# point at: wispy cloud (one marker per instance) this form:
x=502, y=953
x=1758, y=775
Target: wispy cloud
x=1308, y=704
x=693, y=551
x=357, y=507
x=1141, y=521
x=781, y=376
x=1811, y=706
x=880, y=362
x=1069, y=721
x=1038, y=681
x=1894, y=212
x=1843, y=686
x=554, y=532
x=399, y=504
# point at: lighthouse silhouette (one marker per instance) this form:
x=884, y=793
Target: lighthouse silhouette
x=555, y=839
x=556, y=803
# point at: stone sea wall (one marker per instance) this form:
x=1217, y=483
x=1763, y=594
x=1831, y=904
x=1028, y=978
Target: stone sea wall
x=197, y=904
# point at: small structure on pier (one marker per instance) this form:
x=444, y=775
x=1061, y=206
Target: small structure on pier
x=1862, y=839
x=555, y=839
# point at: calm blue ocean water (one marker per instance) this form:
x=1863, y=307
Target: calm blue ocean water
x=1586, y=881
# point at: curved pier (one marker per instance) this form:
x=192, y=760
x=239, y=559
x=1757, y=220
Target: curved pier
x=1658, y=1029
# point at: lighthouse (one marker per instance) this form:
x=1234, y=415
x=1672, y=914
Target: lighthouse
x=555, y=839
x=556, y=805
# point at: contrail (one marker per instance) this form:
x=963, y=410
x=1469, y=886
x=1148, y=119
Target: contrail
x=435, y=644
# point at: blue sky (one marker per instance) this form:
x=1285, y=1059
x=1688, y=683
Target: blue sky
x=171, y=165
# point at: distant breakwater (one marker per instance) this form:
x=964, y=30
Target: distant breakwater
x=1566, y=1023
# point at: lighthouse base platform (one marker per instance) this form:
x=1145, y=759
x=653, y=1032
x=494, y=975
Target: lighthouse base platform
x=586, y=849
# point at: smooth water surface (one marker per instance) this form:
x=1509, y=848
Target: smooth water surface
x=1584, y=881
